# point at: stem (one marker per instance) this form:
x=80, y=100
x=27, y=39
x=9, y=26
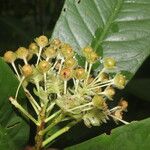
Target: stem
x=33, y=102
x=17, y=105
x=65, y=86
x=15, y=69
x=86, y=66
x=45, y=81
x=19, y=87
x=76, y=85
x=100, y=86
x=58, y=133
x=39, y=54
x=56, y=121
x=89, y=70
x=39, y=137
x=60, y=66
x=52, y=116
x=125, y=122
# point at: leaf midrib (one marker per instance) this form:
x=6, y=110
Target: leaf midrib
x=109, y=23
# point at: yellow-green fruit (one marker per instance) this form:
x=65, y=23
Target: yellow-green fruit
x=27, y=70
x=56, y=42
x=93, y=57
x=79, y=73
x=70, y=62
x=98, y=101
x=67, y=51
x=109, y=63
x=33, y=48
x=42, y=41
x=119, y=81
x=44, y=66
x=66, y=73
x=123, y=104
x=50, y=52
x=103, y=77
x=109, y=92
x=9, y=56
x=87, y=50
x=22, y=53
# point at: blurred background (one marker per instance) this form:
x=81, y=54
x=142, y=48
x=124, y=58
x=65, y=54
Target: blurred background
x=22, y=20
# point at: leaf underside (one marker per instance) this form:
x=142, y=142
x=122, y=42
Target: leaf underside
x=116, y=28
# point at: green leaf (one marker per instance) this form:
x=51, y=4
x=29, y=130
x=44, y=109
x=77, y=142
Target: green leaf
x=14, y=130
x=116, y=28
x=134, y=136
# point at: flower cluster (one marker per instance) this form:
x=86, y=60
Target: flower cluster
x=64, y=89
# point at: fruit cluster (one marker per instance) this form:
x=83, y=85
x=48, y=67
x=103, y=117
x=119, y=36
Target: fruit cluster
x=62, y=85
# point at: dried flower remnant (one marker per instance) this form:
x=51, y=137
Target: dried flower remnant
x=65, y=90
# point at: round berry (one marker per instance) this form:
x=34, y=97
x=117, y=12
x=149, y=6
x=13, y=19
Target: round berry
x=27, y=70
x=119, y=81
x=42, y=41
x=50, y=52
x=22, y=53
x=67, y=51
x=109, y=92
x=98, y=101
x=123, y=104
x=103, y=77
x=33, y=48
x=79, y=73
x=43, y=66
x=66, y=73
x=109, y=63
x=9, y=56
x=70, y=62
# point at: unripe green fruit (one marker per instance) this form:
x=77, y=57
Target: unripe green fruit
x=123, y=104
x=109, y=63
x=42, y=41
x=9, y=56
x=33, y=48
x=67, y=51
x=27, y=70
x=50, y=52
x=93, y=57
x=79, y=73
x=103, y=77
x=109, y=92
x=70, y=62
x=56, y=42
x=43, y=66
x=66, y=73
x=119, y=81
x=98, y=101
x=22, y=53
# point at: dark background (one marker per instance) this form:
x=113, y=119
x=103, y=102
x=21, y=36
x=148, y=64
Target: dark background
x=22, y=20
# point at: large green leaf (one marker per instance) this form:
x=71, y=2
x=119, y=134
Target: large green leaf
x=134, y=136
x=118, y=28
x=14, y=130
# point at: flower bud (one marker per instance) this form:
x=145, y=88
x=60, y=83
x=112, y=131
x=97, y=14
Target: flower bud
x=70, y=62
x=109, y=63
x=27, y=70
x=79, y=73
x=118, y=114
x=9, y=56
x=66, y=73
x=33, y=48
x=43, y=66
x=22, y=53
x=42, y=41
x=98, y=101
x=119, y=81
